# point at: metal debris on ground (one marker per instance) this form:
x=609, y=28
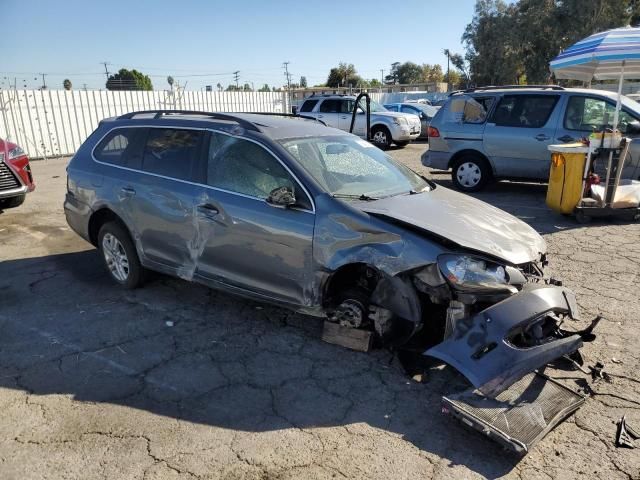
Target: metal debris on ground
x=598, y=373
x=625, y=434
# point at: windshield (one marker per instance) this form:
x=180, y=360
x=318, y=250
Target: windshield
x=375, y=106
x=348, y=166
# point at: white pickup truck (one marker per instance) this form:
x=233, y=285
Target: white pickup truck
x=386, y=127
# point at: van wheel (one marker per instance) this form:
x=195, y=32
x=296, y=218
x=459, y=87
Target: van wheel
x=119, y=255
x=381, y=137
x=470, y=173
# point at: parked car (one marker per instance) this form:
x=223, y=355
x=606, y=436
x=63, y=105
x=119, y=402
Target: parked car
x=422, y=110
x=16, y=179
x=386, y=127
x=497, y=133
x=289, y=211
x=419, y=100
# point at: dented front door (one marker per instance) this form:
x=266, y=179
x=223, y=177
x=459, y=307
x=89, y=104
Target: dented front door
x=246, y=242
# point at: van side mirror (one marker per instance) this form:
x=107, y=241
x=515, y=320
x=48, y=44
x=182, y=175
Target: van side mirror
x=281, y=197
x=633, y=128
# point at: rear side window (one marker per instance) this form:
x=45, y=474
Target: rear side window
x=119, y=146
x=525, y=111
x=172, y=152
x=330, y=106
x=308, y=105
x=407, y=109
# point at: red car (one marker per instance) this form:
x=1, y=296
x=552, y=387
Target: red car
x=15, y=175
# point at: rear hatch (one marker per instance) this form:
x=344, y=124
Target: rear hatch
x=519, y=416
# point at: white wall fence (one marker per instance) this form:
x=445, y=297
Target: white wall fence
x=56, y=122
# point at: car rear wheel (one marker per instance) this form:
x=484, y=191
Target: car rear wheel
x=119, y=255
x=381, y=137
x=470, y=173
x=12, y=202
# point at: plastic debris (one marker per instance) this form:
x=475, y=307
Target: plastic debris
x=169, y=323
x=625, y=434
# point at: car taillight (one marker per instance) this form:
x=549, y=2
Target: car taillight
x=433, y=132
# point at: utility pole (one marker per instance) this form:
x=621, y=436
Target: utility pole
x=236, y=77
x=382, y=76
x=106, y=71
x=285, y=65
x=44, y=84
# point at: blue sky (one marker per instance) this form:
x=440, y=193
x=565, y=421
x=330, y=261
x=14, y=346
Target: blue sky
x=186, y=38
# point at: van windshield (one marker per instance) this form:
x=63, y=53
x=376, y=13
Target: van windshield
x=347, y=166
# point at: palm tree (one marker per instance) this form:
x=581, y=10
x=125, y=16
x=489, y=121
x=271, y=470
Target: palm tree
x=67, y=84
x=219, y=87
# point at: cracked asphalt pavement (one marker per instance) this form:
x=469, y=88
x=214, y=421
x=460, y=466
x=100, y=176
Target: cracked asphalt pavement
x=94, y=383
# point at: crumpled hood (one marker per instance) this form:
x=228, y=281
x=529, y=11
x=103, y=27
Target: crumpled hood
x=469, y=222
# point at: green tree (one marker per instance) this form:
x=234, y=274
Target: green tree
x=432, y=73
x=343, y=75
x=514, y=43
x=67, y=84
x=303, y=82
x=375, y=83
x=129, y=80
x=265, y=88
x=392, y=78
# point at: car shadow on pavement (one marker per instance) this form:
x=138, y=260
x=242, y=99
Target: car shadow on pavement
x=181, y=350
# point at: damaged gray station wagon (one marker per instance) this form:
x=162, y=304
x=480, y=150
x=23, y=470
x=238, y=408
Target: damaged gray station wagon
x=290, y=211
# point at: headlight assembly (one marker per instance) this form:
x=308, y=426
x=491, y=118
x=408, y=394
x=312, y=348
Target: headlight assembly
x=15, y=153
x=466, y=272
x=400, y=121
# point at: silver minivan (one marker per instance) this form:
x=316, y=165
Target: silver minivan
x=503, y=132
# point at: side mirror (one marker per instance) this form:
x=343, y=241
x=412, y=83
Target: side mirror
x=281, y=197
x=633, y=128
x=294, y=109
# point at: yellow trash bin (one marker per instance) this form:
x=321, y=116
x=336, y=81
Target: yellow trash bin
x=565, y=176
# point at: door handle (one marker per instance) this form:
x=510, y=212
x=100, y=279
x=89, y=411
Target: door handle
x=208, y=210
x=566, y=138
x=128, y=191
x=541, y=137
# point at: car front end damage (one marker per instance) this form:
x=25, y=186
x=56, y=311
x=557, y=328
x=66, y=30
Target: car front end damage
x=499, y=325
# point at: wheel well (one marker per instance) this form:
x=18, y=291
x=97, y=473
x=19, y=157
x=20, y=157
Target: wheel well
x=380, y=126
x=348, y=276
x=99, y=218
x=469, y=152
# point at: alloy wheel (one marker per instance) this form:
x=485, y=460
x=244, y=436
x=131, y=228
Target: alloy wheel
x=116, y=257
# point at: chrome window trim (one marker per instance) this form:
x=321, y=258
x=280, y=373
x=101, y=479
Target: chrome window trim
x=213, y=130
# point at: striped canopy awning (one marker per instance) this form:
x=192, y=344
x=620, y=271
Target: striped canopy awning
x=601, y=56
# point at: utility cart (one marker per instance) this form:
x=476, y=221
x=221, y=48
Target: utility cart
x=586, y=180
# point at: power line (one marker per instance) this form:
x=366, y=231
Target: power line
x=285, y=65
x=236, y=77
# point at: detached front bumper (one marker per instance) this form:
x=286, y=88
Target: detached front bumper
x=480, y=346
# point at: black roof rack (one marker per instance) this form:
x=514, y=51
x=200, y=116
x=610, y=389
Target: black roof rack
x=330, y=95
x=509, y=87
x=290, y=115
x=215, y=116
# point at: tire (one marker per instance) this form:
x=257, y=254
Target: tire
x=470, y=173
x=402, y=144
x=381, y=137
x=119, y=255
x=12, y=202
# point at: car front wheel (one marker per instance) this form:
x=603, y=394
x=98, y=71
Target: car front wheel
x=12, y=202
x=470, y=173
x=381, y=137
x=119, y=255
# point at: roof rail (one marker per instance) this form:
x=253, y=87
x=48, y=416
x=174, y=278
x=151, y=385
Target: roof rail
x=291, y=115
x=508, y=87
x=215, y=116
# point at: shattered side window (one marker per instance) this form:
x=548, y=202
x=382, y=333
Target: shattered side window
x=241, y=166
x=172, y=152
